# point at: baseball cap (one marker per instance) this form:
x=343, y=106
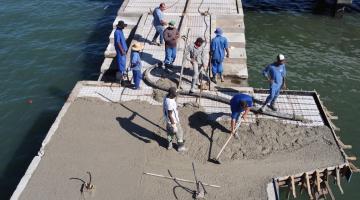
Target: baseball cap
x=281, y=57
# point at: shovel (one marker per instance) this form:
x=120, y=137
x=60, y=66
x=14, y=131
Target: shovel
x=216, y=160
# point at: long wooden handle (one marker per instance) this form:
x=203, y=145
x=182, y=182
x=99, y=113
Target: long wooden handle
x=184, y=59
x=178, y=179
x=229, y=138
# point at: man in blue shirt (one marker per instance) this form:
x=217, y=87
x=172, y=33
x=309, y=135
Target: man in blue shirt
x=120, y=47
x=136, y=64
x=159, y=24
x=217, y=53
x=238, y=104
x=275, y=74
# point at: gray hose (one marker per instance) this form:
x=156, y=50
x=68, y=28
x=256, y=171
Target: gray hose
x=220, y=99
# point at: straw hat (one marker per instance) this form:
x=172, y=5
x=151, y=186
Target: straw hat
x=137, y=47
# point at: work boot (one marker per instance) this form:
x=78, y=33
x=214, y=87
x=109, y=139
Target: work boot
x=236, y=135
x=153, y=42
x=222, y=78
x=272, y=107
x=213, y=79
x=181, y=147
x=170, y=146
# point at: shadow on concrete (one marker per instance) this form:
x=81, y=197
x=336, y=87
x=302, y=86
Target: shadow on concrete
x=190, y=191
x=200, y=119
x=140, y=132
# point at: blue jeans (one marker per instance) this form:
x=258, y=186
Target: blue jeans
x=159, y=31
x=170, y=55
x=137, y=78
x=217, y=67
x=274, y=93
x=121, y=62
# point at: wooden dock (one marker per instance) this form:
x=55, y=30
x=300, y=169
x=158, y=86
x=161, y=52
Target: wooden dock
x=200, y=16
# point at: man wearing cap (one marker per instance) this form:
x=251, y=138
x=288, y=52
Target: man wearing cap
x=171, y=116
x=275, y=74
x=159, y=23
x=195, y=54
x=136, y=64
x=218, y=46
x=238, y=104
x=171, y=35
x=120, y=47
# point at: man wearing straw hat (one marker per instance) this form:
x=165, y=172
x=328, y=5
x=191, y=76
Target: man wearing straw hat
x=171, y=35
x=136, y=64
x=120, y=47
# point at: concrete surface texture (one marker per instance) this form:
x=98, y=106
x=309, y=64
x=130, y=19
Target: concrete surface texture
x=117, y=142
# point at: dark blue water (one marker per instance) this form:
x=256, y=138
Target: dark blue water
x=47, y=46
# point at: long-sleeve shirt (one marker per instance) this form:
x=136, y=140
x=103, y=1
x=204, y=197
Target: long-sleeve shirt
x=170, y=36
x=195, y=53
x=275, y=72
x=217, y=48
x=135, y=61
x=120, y=40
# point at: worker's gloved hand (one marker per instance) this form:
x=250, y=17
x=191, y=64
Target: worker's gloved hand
x=174, y=127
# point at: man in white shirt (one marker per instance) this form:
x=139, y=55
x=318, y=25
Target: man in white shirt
x=171, y=116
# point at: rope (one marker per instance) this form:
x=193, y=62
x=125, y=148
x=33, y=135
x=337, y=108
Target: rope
x=173, y=4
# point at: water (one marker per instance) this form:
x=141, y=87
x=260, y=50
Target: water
x=47, y=46
x=322, y=53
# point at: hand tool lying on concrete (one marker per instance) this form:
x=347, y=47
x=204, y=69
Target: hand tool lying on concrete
x=200, y=189
x=216, y=160
x=178, y=179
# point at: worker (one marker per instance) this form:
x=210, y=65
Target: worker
x=218, y=46
x=240, y=103
x=275, y=74
x=159, y=24
x=171, y=35
x=121, y=48
x=195, y=54
x=171, y=116
x=136, y=64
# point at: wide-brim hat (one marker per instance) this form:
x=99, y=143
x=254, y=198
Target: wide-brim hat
x=137, y=47
x=121, y=24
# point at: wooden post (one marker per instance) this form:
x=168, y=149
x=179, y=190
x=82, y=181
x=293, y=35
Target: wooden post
x=293, y=186
x=318, y=181
x=351, y=158
x=183, y=59
x=338, y=180
x=308, y=186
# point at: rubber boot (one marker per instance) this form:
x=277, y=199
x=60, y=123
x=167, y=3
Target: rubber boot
x=272, y=107
x=181, y=147
x=170, y=145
